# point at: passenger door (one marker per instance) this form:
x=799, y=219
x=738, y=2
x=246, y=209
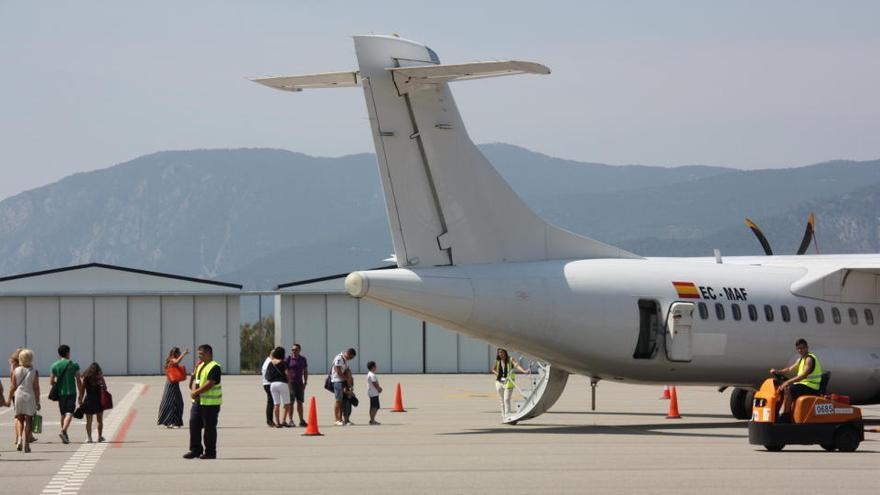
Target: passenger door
x=679, y=332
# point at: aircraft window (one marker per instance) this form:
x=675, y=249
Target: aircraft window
x=835, y=315
x=786, y=314
x=853, y=316
x=869, y=317
x=737, y=314
x=820, y=315
x=753, y=312
x=768, y=312
x=719, y=311
x=802, y=314
x=704, y=311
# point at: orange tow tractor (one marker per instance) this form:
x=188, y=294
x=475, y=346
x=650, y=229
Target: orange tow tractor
x=827, y=420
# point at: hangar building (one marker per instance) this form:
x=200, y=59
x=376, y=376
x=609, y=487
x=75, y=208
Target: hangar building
x=321, y=316
x=123, y=318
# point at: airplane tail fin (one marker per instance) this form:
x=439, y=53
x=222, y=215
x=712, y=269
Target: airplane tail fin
x=447, y=205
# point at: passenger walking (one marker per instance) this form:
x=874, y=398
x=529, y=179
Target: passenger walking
x=26, y=391
x=66, y=373
x=171, y=406
x=337, y=378
x=373, y=391
x=94, y=386
x=505, y=375
x=276, y=374
x=13, y=363
x=298, y=373
x=270, y=404
x=207, y=397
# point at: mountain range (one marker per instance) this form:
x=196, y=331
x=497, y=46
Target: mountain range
x=265, y=216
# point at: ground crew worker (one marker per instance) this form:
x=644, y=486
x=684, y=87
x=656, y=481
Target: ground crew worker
x=505, y=375
x=807, y=381
x=207, y=396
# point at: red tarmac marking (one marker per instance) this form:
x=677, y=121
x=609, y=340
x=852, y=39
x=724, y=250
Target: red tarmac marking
x=145, y=390
x=120, y=435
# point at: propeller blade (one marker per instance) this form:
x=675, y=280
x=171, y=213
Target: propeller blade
x=808, y=234
x=760, y=236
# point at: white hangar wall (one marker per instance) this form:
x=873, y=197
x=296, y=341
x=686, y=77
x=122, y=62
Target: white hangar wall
x=324, y=319
x=124, y=319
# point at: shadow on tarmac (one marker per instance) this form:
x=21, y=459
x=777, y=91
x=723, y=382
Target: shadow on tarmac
x=625, y=413
x=661, y=429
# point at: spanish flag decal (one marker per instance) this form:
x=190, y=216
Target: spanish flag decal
x=686, y=290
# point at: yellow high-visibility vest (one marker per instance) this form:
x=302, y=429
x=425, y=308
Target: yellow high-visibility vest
x=511, y=372
x=213, y=396
x=815, y=378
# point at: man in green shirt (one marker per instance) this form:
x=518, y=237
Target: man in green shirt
x=66, y=373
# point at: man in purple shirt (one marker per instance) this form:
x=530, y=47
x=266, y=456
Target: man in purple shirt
x=298, y=373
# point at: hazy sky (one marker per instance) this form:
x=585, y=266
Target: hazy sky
x=88, y=84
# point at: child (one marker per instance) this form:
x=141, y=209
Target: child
x=373, y=391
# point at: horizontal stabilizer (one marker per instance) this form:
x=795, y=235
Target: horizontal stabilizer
x=347, y=79
x=405, y=77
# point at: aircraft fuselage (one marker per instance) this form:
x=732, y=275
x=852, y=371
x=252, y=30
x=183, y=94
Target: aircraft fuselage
x=585, y=316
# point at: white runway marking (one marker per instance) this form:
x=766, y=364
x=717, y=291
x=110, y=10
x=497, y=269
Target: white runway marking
x=70, y=478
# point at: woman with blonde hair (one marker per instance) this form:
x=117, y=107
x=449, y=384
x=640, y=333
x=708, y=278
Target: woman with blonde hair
x=26, y=391
x=13, y=363
x=171, y=405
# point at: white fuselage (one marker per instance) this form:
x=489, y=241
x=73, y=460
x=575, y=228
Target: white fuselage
x=584, y=316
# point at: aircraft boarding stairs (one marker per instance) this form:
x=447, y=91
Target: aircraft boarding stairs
x=535, y=392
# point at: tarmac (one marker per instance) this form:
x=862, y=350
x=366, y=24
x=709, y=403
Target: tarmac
x=450, y=440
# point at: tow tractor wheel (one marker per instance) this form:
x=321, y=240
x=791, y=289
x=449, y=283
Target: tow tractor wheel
x=846, y=439
x=741, y=403
x=774, y=448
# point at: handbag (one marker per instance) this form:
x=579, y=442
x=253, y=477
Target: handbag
x=175, y=374
x=53, y=392
x=106, y=397
x=79, y=413
x=37, y=424
x=328, y=384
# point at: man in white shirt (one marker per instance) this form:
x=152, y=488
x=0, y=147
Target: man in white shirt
x=337, y=377
x=373, y=391
x=266, y=386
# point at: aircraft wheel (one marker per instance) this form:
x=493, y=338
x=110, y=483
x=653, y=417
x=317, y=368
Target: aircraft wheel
x=846, y=439
x=774, y=448
x=741, y=403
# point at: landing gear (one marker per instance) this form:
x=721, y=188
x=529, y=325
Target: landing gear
x=741, y=403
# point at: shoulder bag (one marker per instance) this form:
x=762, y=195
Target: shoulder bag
x=106, y=397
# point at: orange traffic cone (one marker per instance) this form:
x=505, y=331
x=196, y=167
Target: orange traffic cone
x=665, y=392
x=312, y=428
x=673, y=406
x=398, y=401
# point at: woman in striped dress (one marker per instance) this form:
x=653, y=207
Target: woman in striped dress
x=171, y=407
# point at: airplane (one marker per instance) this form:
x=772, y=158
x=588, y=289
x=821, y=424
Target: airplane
x=474, y=258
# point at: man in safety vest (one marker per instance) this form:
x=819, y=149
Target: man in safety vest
x=807, y=381
x=207, y=396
